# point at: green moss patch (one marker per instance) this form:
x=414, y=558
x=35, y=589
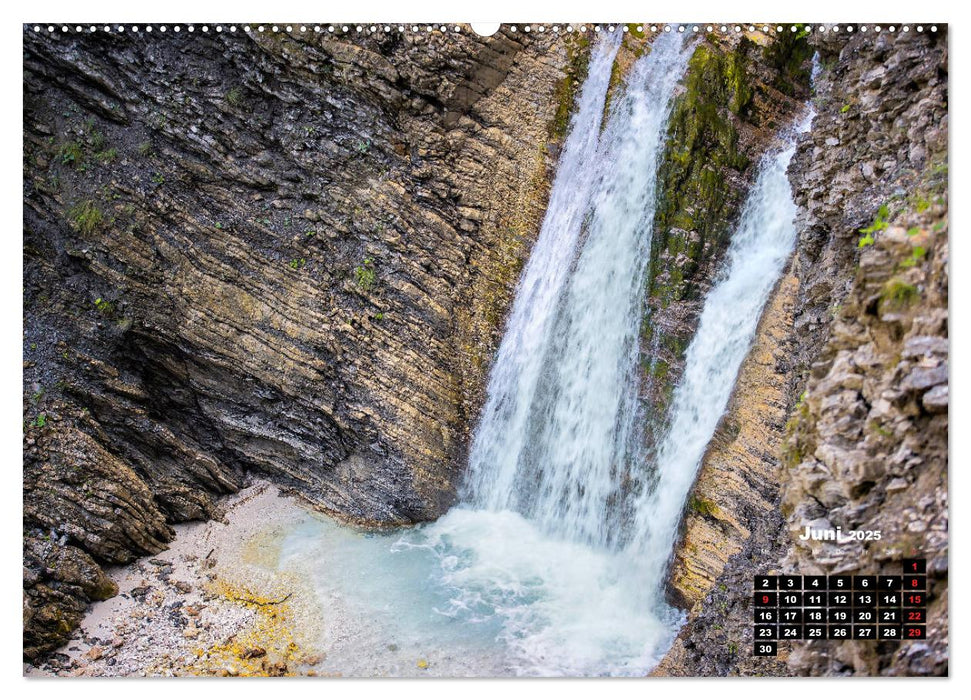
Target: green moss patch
x=578, y=64
x=897, y=295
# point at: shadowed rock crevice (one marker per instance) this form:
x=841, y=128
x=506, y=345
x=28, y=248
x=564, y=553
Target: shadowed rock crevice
x=287, y=255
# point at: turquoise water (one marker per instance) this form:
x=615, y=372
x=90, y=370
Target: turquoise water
x=554, y=562
x=476, y=593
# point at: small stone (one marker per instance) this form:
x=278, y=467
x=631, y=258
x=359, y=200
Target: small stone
x=183, y=587
x=896, y=485
x=276, y=669
x=921, y=345
x=925, y=377
x=936, y=400
x=94, y=653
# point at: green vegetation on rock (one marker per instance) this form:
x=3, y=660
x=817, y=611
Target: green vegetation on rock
x=71, y=154
x=692, y=218
x=702, y=506
x=364, y=275
x=104, y=306
x=234, y=97
x=897, y=295
x=106, y=156
x=879, y=224
x=86, y=217
x=789, y=54
x=578, y=63
x=916, y=254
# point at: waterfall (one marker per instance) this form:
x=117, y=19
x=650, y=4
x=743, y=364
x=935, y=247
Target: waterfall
x=529, y=573
x=759, y=248
x=501, y=436
x=555, y=436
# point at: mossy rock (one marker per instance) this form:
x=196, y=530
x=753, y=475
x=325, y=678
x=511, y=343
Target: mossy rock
x=789, y=55
x=577, y=67
x=695, y=202
x=897, y=295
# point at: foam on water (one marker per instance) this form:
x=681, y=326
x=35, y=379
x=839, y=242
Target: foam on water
x=477, y=593
x=529, y=574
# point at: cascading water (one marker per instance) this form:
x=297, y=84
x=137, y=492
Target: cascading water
x=527, y=575
x=758, y=251
x=501, y=437
x=554, y=438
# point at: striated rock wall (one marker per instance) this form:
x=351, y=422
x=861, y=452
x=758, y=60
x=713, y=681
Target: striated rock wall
x=864, y=362
x=736, y=492
x=259, y=252
x=867, y=439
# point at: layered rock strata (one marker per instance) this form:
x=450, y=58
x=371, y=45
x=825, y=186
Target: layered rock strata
x=286, y=254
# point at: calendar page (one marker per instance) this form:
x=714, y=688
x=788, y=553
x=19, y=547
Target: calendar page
x=450, y=350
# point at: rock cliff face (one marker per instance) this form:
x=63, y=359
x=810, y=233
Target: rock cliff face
x=260, y=252
x=856, y=436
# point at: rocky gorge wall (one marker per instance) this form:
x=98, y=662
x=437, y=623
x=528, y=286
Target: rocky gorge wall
x=292, y=255
x=286, y=255
x=839, y=417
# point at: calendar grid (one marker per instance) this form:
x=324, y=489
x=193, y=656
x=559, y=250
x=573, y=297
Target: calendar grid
x=792, y=607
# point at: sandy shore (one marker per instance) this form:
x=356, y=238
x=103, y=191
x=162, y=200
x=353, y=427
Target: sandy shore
x=214, y=604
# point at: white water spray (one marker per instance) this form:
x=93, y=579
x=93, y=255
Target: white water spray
x=527, y=575
x=500, y=439
x=758, y=251
x=553, y=443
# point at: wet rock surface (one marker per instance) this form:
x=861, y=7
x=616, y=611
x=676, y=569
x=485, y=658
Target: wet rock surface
x=736, y=492
x=740, y=92
x=864, y=445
